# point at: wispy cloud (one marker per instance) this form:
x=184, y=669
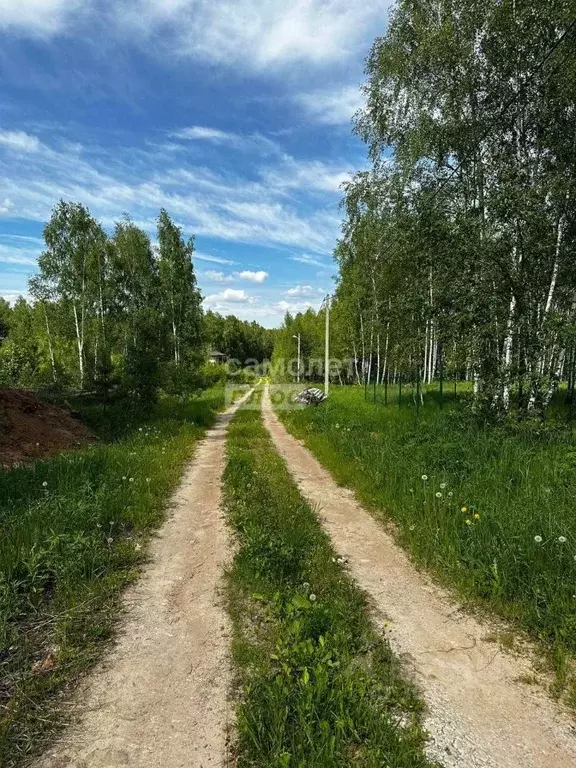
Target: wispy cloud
x=228, y=207
x=257, y=34
x=311, y=261
x=334, y=106
x=213, y=259
x=38, y=18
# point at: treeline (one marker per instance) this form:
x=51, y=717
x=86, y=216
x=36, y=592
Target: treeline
x=112, y=312
x=240, y=340
x=457, y=251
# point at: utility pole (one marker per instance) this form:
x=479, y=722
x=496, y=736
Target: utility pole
x=298, y=337
x=327, y=346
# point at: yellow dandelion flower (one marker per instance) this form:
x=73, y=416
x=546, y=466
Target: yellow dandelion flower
x=476, y=516
x=468, y=522
x=464, y=509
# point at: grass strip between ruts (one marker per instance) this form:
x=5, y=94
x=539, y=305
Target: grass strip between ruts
x=317, y=685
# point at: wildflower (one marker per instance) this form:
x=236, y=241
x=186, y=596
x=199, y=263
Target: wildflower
x=438, y=495
x=468, y=522
x=424, y=477
x=123, y=477
x=306, y=585
x=562, y=539
x=464, y=509
x=442, y=485
x=109, y=539
x=140, y=430
x=147, y=479
x=476, y=516
x=312, y=597
x=538, y=539
x=44, y=484
x=131, y=480
x=450, y=494
x=412, y=527
x=137, y=546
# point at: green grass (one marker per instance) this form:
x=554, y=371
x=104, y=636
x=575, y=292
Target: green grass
x=73, y=534
x=318, y=687
x=502, y=487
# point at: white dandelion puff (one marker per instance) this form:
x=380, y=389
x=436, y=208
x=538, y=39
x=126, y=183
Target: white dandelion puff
x=538, y=539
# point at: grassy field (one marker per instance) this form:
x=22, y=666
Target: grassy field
x=73, y=534
x=488, y=509
x=318, y=687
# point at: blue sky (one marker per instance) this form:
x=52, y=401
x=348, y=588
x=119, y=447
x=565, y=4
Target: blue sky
x=232, y=114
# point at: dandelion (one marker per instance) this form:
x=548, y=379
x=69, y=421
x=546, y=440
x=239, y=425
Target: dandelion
x=424, y=477
x=464, y=509
x=147, y=479
x=538, y=539
x=562, y=539
x=412, y=527
x=450, y=494
x=123, y=477
x=109, y=539
x=442, y=485
x=312, y=597
x=438, y=495
x=476, y=516
x=468, y=522
x=44, y=484
x=140, y=430
x=306, y=585
x=137, y=546
x=131, y=480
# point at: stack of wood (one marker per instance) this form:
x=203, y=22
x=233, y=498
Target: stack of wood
x=311, y=396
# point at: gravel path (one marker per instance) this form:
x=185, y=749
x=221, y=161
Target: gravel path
x=479, y=714
x=161, y=698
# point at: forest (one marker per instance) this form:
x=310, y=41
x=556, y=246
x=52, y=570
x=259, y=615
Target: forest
x=456, y=257
x=118, y=314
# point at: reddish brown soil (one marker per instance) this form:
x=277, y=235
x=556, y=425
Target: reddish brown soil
x=30, y=429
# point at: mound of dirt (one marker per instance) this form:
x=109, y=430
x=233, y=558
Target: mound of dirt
x=30, y=429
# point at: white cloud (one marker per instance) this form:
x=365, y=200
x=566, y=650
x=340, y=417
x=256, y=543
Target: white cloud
x=303, y=290
x=292, y=307
x=313, y=175
x=334, y=106
x=256, y=33
x=13, y=255
x=12, y=296
x=41, y=18
x=200, y=133
x=228, y=295
x=254, y=141
x=218, y=277
x=253, y=277
x=209, y=257
x=19, y=141
x=311, y=261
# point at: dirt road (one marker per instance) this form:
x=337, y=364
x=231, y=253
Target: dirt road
x=161, y=699
x=479, y=714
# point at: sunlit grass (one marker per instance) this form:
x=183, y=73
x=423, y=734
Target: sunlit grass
x=74, y=531
x=489, y=509
x=318, y=687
